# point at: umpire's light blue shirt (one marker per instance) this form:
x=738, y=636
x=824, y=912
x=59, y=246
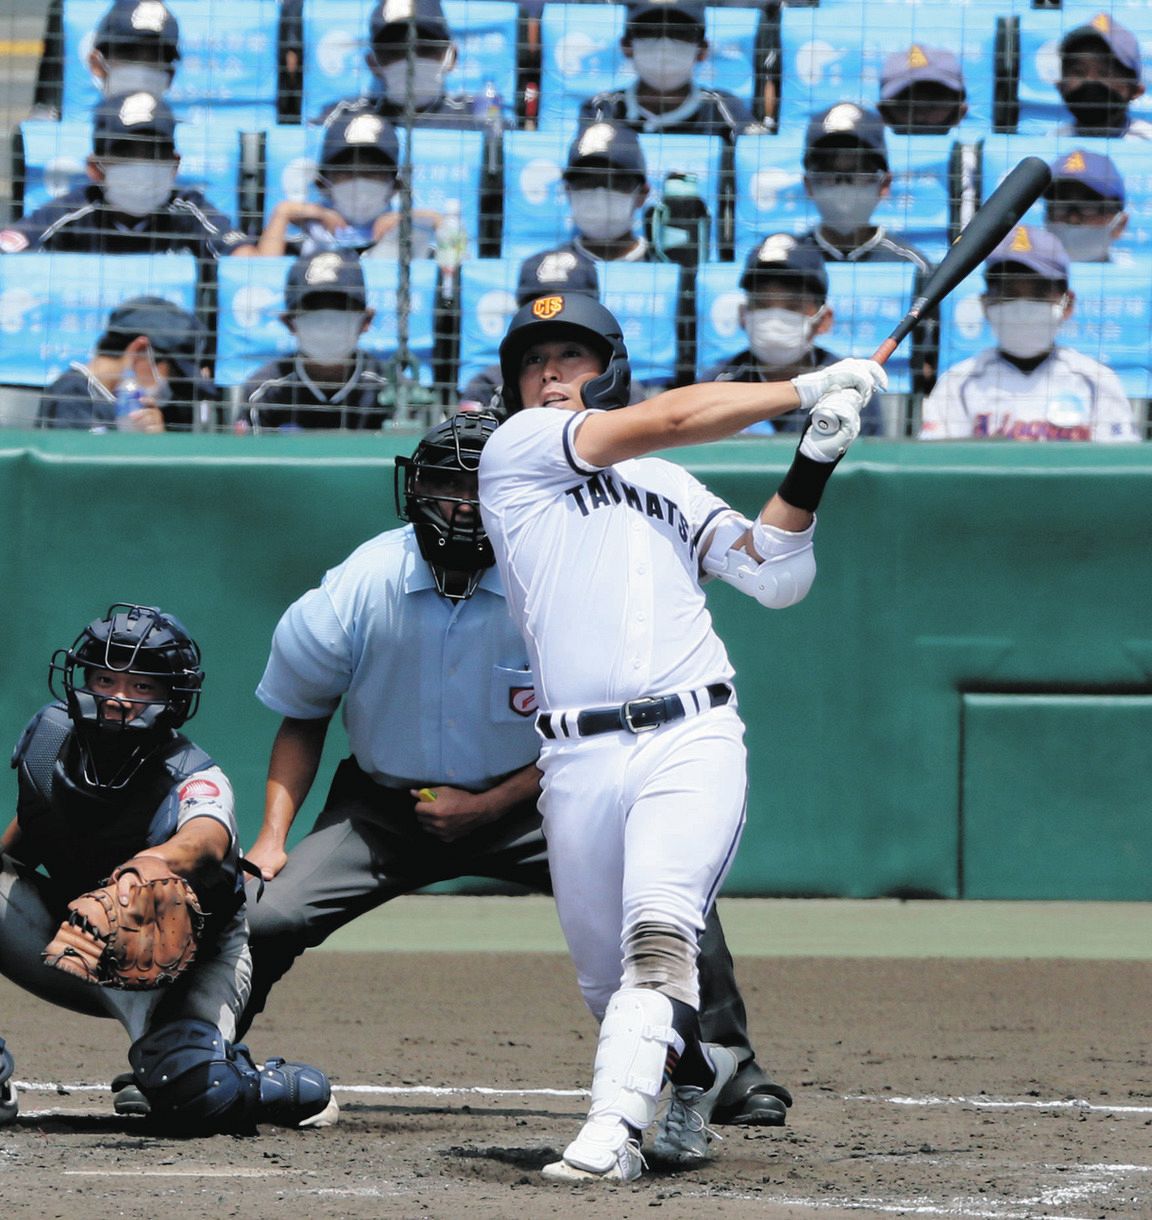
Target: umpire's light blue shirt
x=435, y=691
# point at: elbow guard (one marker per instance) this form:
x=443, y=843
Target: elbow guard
x=784, y=576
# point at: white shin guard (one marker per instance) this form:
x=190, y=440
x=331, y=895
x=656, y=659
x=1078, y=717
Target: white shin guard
x=631, y=1055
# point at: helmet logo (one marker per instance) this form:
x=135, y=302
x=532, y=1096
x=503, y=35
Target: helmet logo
x=546, y=308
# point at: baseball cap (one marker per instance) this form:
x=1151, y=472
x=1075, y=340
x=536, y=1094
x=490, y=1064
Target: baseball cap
x=390, y=20
x=329, y=273
x=1119, y=40
x=607, y=146
x=667, y=12
x=920, y=63
x=843, y=125
x=1035, y=249
x=129, y=124
x=174, y=334
x=1093, y=170
x=557, y=271
x=359, y=133
x=138, y=30
x=779, y=256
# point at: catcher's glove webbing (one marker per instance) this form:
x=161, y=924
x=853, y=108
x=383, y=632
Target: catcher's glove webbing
x=136, y=935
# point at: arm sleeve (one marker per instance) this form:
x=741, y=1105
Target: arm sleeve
x=311, y=662
x=208, y=794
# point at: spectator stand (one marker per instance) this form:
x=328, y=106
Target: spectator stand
x=228, y=59
x=1039, y=32
x=643, y=296
x=536, y=213
x=581, y=56
x=336, y=42
x=867, y=301
x=922, y=208
x=53, y=308
x=251, y=296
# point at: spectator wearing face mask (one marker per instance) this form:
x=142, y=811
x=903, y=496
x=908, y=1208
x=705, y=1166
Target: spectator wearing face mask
x=846, y=175
x=328, y=382
x=158, y=344
x=785, y=311
x=665, y=41
x=1100, y=76
x=1027, y=387
x=132, y=204
x=135, y=48
x=1084, y=206
x=357, y=176
x=435, y=56
x=922, y=91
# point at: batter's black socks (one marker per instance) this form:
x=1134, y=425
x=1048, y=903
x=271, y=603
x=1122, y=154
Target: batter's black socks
x=693, y=1066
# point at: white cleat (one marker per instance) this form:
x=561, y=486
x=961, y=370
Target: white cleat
x=683, y=1136
x=605, y=1151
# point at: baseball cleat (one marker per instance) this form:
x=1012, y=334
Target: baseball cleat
x=127, y=1099
x=606, y=1150
x=683, y=1135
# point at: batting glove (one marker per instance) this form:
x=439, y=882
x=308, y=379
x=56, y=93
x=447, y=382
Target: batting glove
x=863, y=376
x=835, y=425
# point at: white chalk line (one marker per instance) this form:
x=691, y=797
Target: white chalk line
x=1005, y=1103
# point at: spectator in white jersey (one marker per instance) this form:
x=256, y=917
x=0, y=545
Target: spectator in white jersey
x=922, y=91
x=1084, y=205
x=1100, y=77
x=1028, y=388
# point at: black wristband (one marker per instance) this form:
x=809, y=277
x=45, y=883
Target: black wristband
x=803, y=485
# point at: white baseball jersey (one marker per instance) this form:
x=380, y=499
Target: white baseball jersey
x=601, y=566
x=1068, y=397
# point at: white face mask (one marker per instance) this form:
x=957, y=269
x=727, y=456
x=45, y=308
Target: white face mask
x=779, y=337
x=138, y=187
x=601, y=214
x=664, y=64
x=135, y=78
x=845, y=208
x=1085, y=243
x=427, y=81
x=328, y=335
x=1025, y=328
x=361, y=200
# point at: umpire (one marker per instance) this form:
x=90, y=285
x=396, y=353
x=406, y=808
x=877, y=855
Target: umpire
x=412, y=631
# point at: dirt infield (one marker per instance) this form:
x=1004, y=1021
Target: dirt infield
x=898, y=1067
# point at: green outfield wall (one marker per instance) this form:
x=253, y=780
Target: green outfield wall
x=961, y=708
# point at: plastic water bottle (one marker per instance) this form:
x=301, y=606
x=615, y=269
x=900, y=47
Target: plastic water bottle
x=489, y=105
x=451, y=247
x=129, y=399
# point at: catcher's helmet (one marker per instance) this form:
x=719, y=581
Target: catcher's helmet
x=552, y=317
x=442, y=471
x=130, y=639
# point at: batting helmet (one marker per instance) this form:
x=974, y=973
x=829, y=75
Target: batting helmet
x=582, y=317
x=436, y=492
x=116, y=732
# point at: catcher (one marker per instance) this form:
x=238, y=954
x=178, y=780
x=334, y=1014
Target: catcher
x=140, y=915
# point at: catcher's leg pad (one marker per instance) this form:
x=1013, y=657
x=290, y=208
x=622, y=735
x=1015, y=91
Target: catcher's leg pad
x=631, y=1056
x=295, y=1095
x=9, y=1105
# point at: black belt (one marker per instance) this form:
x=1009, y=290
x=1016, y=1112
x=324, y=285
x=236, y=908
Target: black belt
x=635, y=716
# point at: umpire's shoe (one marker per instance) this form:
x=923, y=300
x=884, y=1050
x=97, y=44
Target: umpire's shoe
x=606, y=1150
x=295, y=1095
x=750, y=1099
x=683, y=1136
x=9, y=1103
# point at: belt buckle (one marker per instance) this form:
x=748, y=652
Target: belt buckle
x=639, y=707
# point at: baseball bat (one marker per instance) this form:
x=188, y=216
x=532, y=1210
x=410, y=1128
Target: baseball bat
x=990, y=224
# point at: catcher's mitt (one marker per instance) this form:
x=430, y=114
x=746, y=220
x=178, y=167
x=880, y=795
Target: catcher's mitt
x=147, y=942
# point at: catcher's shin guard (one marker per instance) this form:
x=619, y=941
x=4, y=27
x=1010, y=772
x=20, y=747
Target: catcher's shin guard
x=295, y=1095
x=9, y=1105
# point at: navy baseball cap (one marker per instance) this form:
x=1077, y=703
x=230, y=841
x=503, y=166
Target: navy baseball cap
x=782, y=256
x=357, y=134
x=843, y=126
x=137, y=30
x=1119, y=40
x=607, y=146
x=391, y=19
x=330, y=273
x=131, y=124
x=1092, y=170
x=557, y=271
x=1035, y=249
x=174, y=334
x=920, y=63
x=667, y=12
